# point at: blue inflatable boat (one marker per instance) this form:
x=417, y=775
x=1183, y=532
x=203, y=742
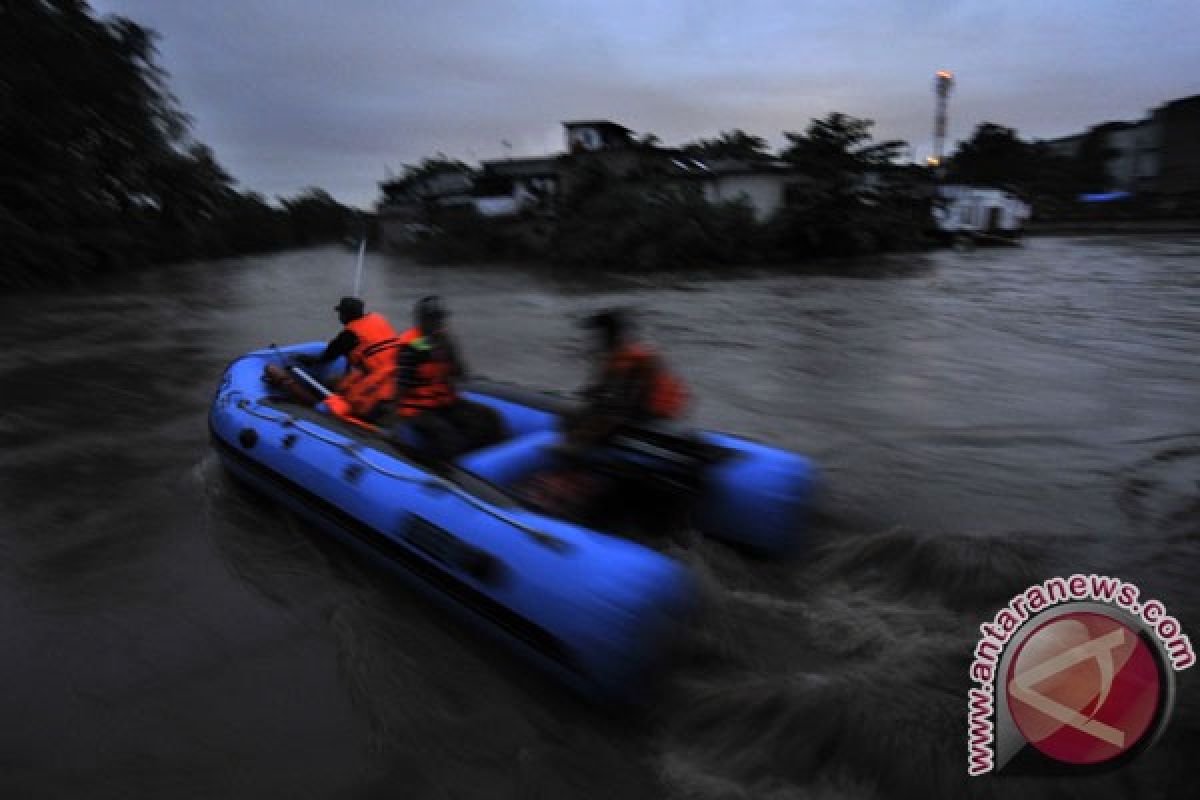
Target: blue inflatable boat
x=595, y=609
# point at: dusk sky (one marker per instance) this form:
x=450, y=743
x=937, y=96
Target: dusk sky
x=295, y=93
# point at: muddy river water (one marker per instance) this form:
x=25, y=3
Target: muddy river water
x=982, y=421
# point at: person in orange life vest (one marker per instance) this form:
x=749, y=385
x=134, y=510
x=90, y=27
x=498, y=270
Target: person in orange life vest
x=371, y=347
x=427, y=401
x=632, y=384
x=428, y=363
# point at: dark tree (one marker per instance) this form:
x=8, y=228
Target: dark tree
x=88, y=128
x=647, y=141
x=734, y=144
x=839, y=146
x=429, y=167
x=98, y=171
x=316, y=217
x=994, y=155
x=855, y=200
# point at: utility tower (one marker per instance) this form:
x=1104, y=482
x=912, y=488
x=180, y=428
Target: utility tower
x=943, y=82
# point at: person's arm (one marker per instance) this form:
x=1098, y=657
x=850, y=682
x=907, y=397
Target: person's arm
x=338, y=346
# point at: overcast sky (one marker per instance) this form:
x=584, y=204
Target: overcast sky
x=295, y=93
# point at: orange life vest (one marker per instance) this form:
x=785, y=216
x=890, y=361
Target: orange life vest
x=373, y=361
x=433, y=389
x=378, y=344
x=667, y=396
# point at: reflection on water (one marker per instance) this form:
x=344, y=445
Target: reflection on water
x=983, y=420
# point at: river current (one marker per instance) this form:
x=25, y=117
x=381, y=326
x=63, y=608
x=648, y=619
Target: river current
x=982, y=421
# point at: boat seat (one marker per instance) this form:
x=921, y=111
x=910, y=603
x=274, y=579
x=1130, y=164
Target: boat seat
x=508, y=462
x=668, y=441
x=518, y=418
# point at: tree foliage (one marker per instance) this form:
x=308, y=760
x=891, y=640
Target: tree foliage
x=839, y=147
x=316, y=217
x=647, y=141
x=733, y=144
x=437, y=165
x=995, y=155
x=845, y=195
x=856, y=199
x=98, y=171
x=847, y=199
x=647, y=226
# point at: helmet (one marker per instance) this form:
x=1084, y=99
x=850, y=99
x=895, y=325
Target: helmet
x=350, y=307
x=613, y=325
x=429, y=312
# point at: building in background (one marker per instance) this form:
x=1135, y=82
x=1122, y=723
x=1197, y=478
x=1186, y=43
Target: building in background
x=410, y=206
x=508, y=187
x=533, y=187
x=766, y=185
x=1133, y=163
x=1178, y=136
x=983, y=215
x=1159, y=154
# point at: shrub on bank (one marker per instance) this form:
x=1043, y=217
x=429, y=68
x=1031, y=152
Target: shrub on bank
x=650, y=228
x=639, y=226
x=828, y=220
x=465, y=236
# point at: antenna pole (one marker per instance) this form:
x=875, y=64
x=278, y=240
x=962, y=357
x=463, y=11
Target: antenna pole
x=362, y=247
x=943, y=82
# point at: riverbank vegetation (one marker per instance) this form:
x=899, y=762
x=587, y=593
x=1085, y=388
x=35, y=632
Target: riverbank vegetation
x=99, y=173
x=846, y=195
x=98, y=169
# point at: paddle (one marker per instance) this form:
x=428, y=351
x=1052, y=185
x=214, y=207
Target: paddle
x=332, y=402
x=296, y=370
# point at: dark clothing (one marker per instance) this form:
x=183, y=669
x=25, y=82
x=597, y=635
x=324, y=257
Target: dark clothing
x=411, y=358
x=340, y=345
x=615, y=398
x=635, y=384
x=621, y=393
x=427, y=370
x=438, y=436
x=631, y=386
x=448, y=432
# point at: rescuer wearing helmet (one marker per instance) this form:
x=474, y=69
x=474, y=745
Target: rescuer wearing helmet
x=427, y=401
x=371, y=346
x=631, y=382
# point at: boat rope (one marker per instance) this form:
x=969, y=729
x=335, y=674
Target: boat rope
x=354, y=449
